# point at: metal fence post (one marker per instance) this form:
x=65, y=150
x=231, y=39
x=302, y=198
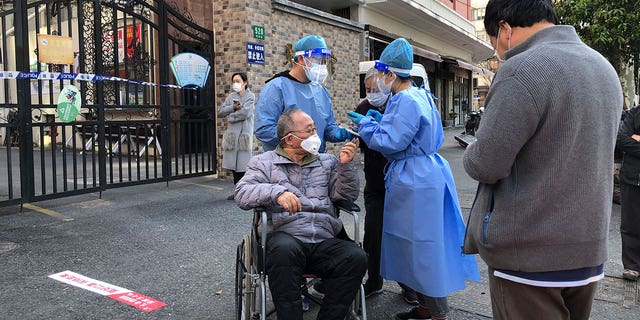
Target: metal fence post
x=165, y=109
x=102, y=152
x=24, y=102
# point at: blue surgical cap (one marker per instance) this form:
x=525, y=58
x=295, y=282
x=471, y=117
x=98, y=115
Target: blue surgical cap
x=309, y=43
x=398, y=55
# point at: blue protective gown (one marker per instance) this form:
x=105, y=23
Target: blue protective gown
x=284, y=92
x=423, y=229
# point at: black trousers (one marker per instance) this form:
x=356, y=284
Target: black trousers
x=630, y=226
x=341, y=264
x=372, y=240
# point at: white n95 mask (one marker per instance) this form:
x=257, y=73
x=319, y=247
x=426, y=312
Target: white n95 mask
x=311, y=144
x=317, y=73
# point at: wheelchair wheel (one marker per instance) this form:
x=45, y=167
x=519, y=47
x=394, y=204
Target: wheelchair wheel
x=245, y=290
x=240, y=270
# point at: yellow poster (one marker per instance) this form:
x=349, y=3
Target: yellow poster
x=55, y=49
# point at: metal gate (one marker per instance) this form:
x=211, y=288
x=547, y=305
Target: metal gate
x=135, y=125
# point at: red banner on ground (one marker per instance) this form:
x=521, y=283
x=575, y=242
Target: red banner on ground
x=123, y=295
x=137, y=300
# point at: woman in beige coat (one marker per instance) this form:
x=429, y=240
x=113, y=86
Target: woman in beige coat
x=237, y=141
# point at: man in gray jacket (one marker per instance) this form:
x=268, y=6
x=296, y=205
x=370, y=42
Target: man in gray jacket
x=297, y=186
x=544, y=160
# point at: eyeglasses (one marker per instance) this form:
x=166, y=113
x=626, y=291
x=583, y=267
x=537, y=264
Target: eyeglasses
x=309, y=131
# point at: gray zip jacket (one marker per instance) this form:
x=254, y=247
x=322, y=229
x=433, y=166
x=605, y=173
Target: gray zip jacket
x=544, y=155
x=318, y=182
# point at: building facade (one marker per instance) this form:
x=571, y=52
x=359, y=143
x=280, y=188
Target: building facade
x=257, y=36
x=443, y=37
x=482, y=80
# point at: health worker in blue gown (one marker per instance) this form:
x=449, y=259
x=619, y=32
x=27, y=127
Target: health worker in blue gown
x=301, y=87
x=423, y=229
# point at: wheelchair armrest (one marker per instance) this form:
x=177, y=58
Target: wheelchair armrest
x=352, y=209
x=344, y=205
x=257, y=214
x=260, y=219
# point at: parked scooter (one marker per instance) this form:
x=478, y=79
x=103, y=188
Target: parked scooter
x=470, y=128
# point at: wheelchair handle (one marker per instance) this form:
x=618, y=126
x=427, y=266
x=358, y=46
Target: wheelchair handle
x=346, y=206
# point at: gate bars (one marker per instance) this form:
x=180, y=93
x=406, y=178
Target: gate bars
x=127, y=133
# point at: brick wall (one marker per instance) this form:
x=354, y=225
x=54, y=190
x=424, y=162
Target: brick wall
x=233, y=21
x=231, y=34
x=199, y=10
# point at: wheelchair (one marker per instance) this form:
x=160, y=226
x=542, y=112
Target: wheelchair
x=250, y=277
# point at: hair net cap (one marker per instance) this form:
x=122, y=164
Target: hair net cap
x=309, y=43
x=398, y=55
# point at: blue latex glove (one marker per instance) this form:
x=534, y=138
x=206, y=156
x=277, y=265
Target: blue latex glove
x=355, y=117
x=342, y=134
x=377, y=116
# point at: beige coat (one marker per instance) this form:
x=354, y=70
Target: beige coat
x=237, y=141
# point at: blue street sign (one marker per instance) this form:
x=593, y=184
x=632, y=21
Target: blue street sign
x=255, y=53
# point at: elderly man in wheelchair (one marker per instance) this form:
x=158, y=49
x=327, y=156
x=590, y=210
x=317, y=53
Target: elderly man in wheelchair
x=297, y=187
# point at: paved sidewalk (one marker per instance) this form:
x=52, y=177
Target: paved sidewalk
x=177, y=244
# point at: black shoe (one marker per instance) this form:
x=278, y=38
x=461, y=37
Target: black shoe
x=230, y=197
x=416, y=313
x=410, y=297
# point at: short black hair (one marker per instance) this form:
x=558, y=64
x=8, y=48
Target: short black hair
x=243, y=76
x=517, y=13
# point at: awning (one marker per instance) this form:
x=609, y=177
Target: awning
x=418, y=51
x=427, y=54
x=473, y=68
x=433, y=18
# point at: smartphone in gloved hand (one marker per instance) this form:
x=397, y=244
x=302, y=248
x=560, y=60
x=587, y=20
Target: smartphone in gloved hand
x=350, y=130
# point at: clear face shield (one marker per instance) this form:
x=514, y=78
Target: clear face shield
x=381, y=69
x=317, y=56
x=383, y=72
x=315, y=63
x=374, y=96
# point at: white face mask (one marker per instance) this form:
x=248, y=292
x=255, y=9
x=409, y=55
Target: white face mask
x=377, y=99
x=500, y=59
x=384, y=88
x=317, y=73
x=311, y=144
x=237, y=87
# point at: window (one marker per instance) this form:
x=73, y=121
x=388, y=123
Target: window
x=477, y=13
x=482, y=35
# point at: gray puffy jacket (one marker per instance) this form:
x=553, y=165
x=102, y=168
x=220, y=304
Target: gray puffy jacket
x=317, y=183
